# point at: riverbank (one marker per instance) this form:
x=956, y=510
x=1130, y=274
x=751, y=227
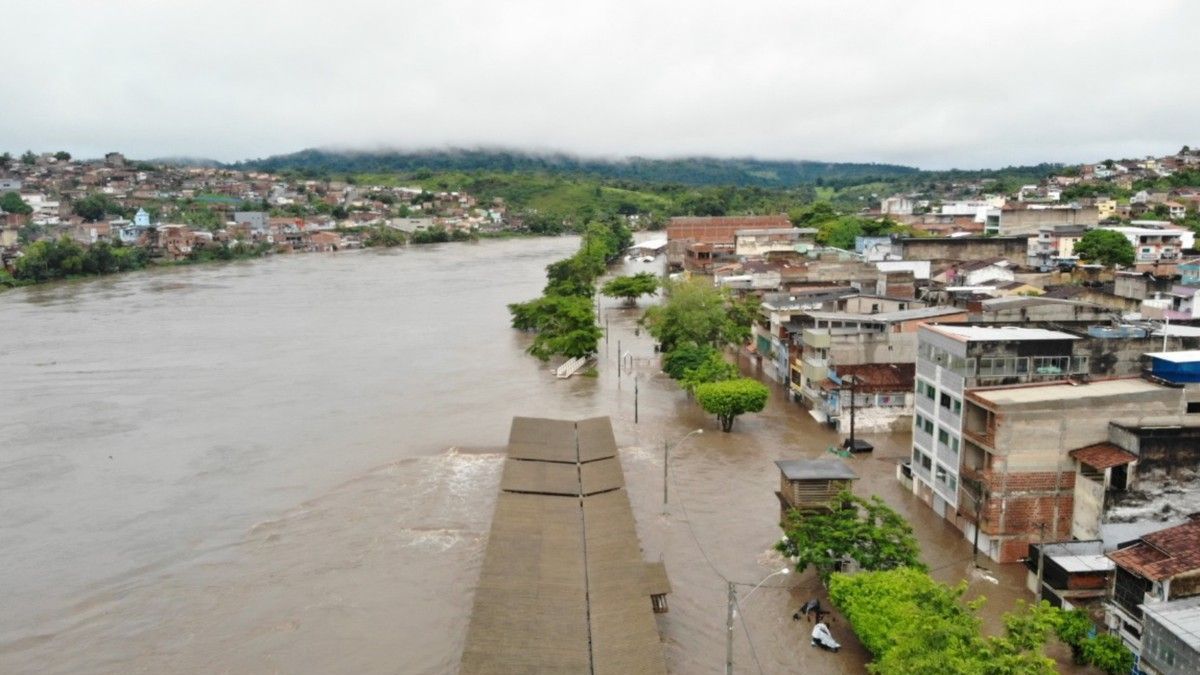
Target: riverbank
x=226, y=254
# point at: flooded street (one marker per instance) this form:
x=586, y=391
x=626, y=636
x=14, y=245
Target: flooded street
x=289, y=465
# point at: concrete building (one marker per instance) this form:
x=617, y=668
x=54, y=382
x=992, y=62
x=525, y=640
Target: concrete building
x=1028, y=219
x=961, y=249
x=1015, y=452
x=833, y=342
x=704, y=240
x=1074, y=573
x=762, y=243
x=1054, y=246
x=954, y=360
x=1171, y=638
x=257, y=220
x=1152, y=245
x=898, y=205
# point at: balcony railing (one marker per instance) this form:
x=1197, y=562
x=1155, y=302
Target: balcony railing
x=817, y=338
x=985, y=438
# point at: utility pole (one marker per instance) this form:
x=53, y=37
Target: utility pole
x=635, y=400
x=978, y=494
x=618, y=362
x=666, y=458
x=1041, y=558
x=853, y=447
x=729, y=629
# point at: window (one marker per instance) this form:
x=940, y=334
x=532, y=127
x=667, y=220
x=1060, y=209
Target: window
x=926, y=463
x=945, y=400
x=952, y=483
x=957, y=407
x=954, y=444
x=943, y=436
x=940, y=474
x=929, y=427
x=919, y=421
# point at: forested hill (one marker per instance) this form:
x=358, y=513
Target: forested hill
x=697, y=171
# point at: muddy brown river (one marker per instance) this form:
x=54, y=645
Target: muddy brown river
x=289, y=465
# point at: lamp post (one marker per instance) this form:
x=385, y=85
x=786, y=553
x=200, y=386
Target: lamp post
x=732, y=612
x=666, y=459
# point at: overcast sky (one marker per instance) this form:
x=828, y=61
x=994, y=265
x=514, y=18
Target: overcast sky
x=934, y=84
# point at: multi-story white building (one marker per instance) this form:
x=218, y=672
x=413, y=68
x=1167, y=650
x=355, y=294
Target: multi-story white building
x=952, y=359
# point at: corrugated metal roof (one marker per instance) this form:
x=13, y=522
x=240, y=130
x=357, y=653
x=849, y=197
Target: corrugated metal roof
x=997, y=333
x=556, y=478
x=1180, y=617
x=601, y=476
x=1185, y=356
x=563, y=587
x=815, y=469
x=542, y=439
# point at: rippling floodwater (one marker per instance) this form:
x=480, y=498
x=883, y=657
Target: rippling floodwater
x=290, y=465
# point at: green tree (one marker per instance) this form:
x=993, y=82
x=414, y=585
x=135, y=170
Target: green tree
x=631, y=287
x=5, y=158
x=11, y=202
x=62, y=156
x=695, y=311
x=714, y=368
x=812, y=215
x=683, y=357
x=46, y=260
x=94, y=207
x=731, y=398
x=866, y=530
x=1108, y=653
x=913, y=625
x=565, y=324
x=385, y=237
x=1106, y=247
x=28, y=158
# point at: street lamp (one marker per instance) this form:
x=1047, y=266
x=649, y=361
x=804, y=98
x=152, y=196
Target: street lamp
x=667, y=457
x=785, y=570
x=732, y=612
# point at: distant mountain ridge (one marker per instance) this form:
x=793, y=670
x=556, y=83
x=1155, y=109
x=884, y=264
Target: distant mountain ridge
x=745, y=172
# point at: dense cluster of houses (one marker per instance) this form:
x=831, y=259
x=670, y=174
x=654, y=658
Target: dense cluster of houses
x=1054, y=409
x=290, y=215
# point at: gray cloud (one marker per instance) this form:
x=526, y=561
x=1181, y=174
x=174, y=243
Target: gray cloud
x=935, y=84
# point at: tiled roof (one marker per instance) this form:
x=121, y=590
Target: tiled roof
x=877, y=377
x=1163, y=554
x=1103, y=455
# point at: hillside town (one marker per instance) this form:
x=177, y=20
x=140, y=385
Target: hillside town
x=178, y=212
